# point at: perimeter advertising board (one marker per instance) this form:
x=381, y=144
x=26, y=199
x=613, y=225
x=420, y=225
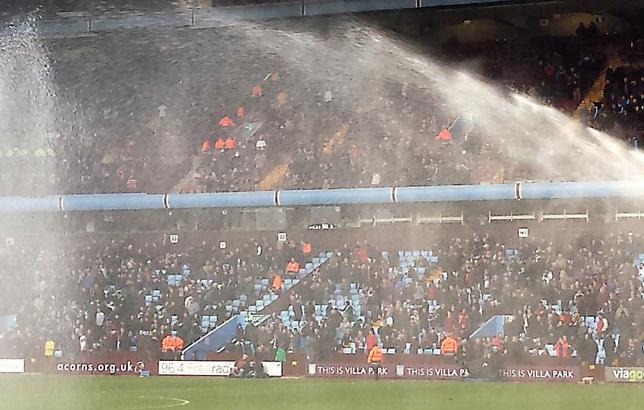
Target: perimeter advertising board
x=568, y=373
x=210, y=368
x=394, y=371
x=110, y=364
x=624, y=374
x=12, y=366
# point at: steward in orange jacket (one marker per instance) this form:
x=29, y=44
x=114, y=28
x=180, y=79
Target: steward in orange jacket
x=230, y=143
x=449, y=346
x=374, y=359
x=220, y=144
x=277, y=282
x=225, y=121
x=293, y=266
x=167, y=344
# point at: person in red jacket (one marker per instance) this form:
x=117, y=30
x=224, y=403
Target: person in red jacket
x=562, y=348
x=372, y=339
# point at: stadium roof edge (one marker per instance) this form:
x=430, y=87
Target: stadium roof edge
x=80, y=24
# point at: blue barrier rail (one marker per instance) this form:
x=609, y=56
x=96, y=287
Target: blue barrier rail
x=213, y=340
x=317, y=197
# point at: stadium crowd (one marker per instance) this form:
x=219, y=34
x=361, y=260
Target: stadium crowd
x=582, y=299
x=576, y=299
x=275, y=130
x=270, y=131
x=121, y=296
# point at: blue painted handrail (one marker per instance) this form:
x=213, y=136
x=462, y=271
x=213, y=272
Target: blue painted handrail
x=317, y=197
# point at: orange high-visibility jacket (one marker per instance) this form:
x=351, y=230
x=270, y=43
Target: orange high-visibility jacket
x=449, y=345
x=226, y=121
x=167, y=343
x=277, y=282
x=375, y=355
x=293, y=266
x=444, y=135
x=230, y=143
